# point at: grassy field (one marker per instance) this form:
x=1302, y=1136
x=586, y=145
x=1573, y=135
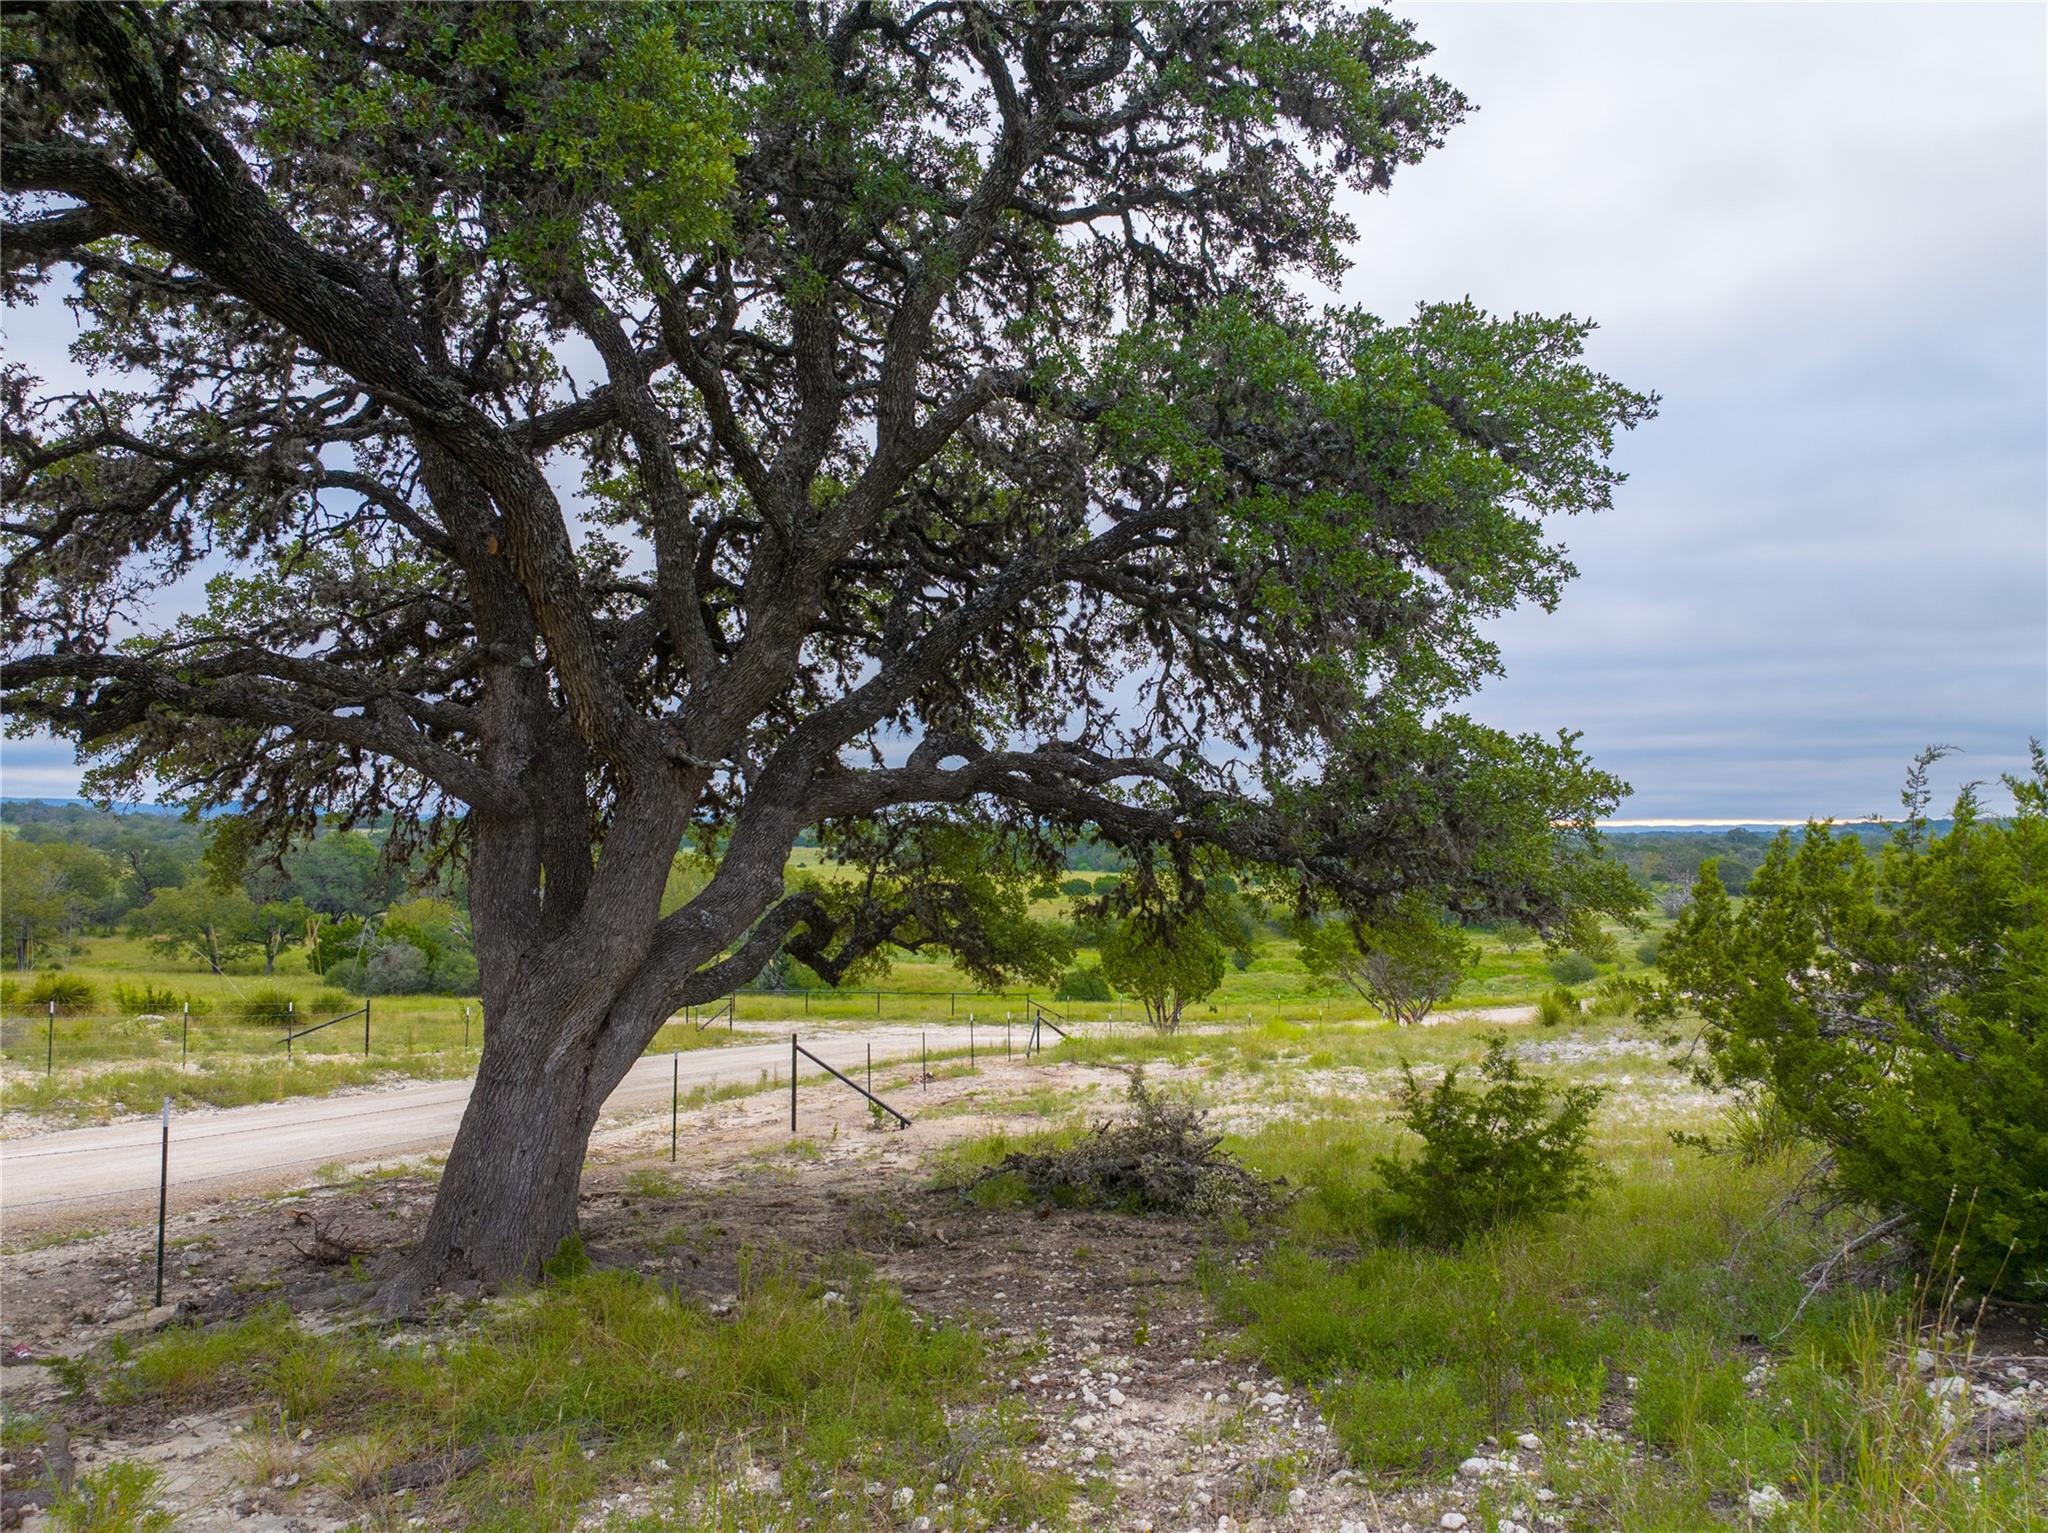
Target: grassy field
x=140, y=996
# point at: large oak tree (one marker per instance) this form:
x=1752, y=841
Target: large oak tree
x=604, y=427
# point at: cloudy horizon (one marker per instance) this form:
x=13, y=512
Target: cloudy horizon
x=1821, y=234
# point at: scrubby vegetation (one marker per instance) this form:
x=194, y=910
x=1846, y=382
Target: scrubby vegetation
x=1513, y=1150
x=1895, y=1008
x=804, y=1386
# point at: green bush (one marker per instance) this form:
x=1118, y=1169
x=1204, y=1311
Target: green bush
x=396, y=968
x=1646, y=953
x=1078, y=888
x=70, y=992
x=1514, y=1150
x=1108, y=883
x=1617, y=998
x=265, y=1003
x=1573, y=968
x=1084, y=983
x=149, y=998
x=1557, y=1006
x=1896, y=1007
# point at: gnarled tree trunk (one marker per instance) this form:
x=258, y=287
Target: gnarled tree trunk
x=508, y=1195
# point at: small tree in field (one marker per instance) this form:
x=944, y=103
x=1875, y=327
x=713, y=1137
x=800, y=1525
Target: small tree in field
x=1167, y=960
x=1514, y=935
x=617, y=428
x=200, y=918
x=1407, y=962
x=1514, y=1149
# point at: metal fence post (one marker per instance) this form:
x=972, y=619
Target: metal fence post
x=50, y=1043
x=924, y=1064
x=366, y=1027
x=163, y=1202
x=792, y=1083
x=185, y=1036
x=970, y=1040
x=675, y=1103
x=871, y=1069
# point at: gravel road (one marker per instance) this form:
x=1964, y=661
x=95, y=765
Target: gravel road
x=88, y=1175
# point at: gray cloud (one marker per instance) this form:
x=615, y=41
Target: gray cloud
x=1821, y=233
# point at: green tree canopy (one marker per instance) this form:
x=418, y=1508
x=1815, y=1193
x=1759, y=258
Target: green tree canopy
x=1407, y=961
x=1896, y=1007
x=1166, y=957
x=201, y=918
x=48, y=888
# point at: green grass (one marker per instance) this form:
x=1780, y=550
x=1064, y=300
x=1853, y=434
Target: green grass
x=579, y=1387
x=113, y=1498
x=1648, y=1301
x=1644, y=1306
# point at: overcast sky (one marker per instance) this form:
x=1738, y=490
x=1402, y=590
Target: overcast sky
x=1821, y=233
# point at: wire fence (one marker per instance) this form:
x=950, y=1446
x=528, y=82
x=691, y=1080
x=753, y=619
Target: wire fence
x=47, y=1040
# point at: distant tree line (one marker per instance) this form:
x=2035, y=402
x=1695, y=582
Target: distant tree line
x=351, y=912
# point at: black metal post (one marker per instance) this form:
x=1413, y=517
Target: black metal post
x=792, y=1083
x=847, y=1080
x=185, y=1036
x=675, y=1104
x=465, y=1029
x=50, y=1043
x=366, y=1027
x=970, y=1040
x=163, y=1202
x=878, y=1003
x=924, y=1064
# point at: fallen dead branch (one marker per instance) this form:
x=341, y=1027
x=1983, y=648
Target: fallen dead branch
x=327, y=1249
x=1161, y=1157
